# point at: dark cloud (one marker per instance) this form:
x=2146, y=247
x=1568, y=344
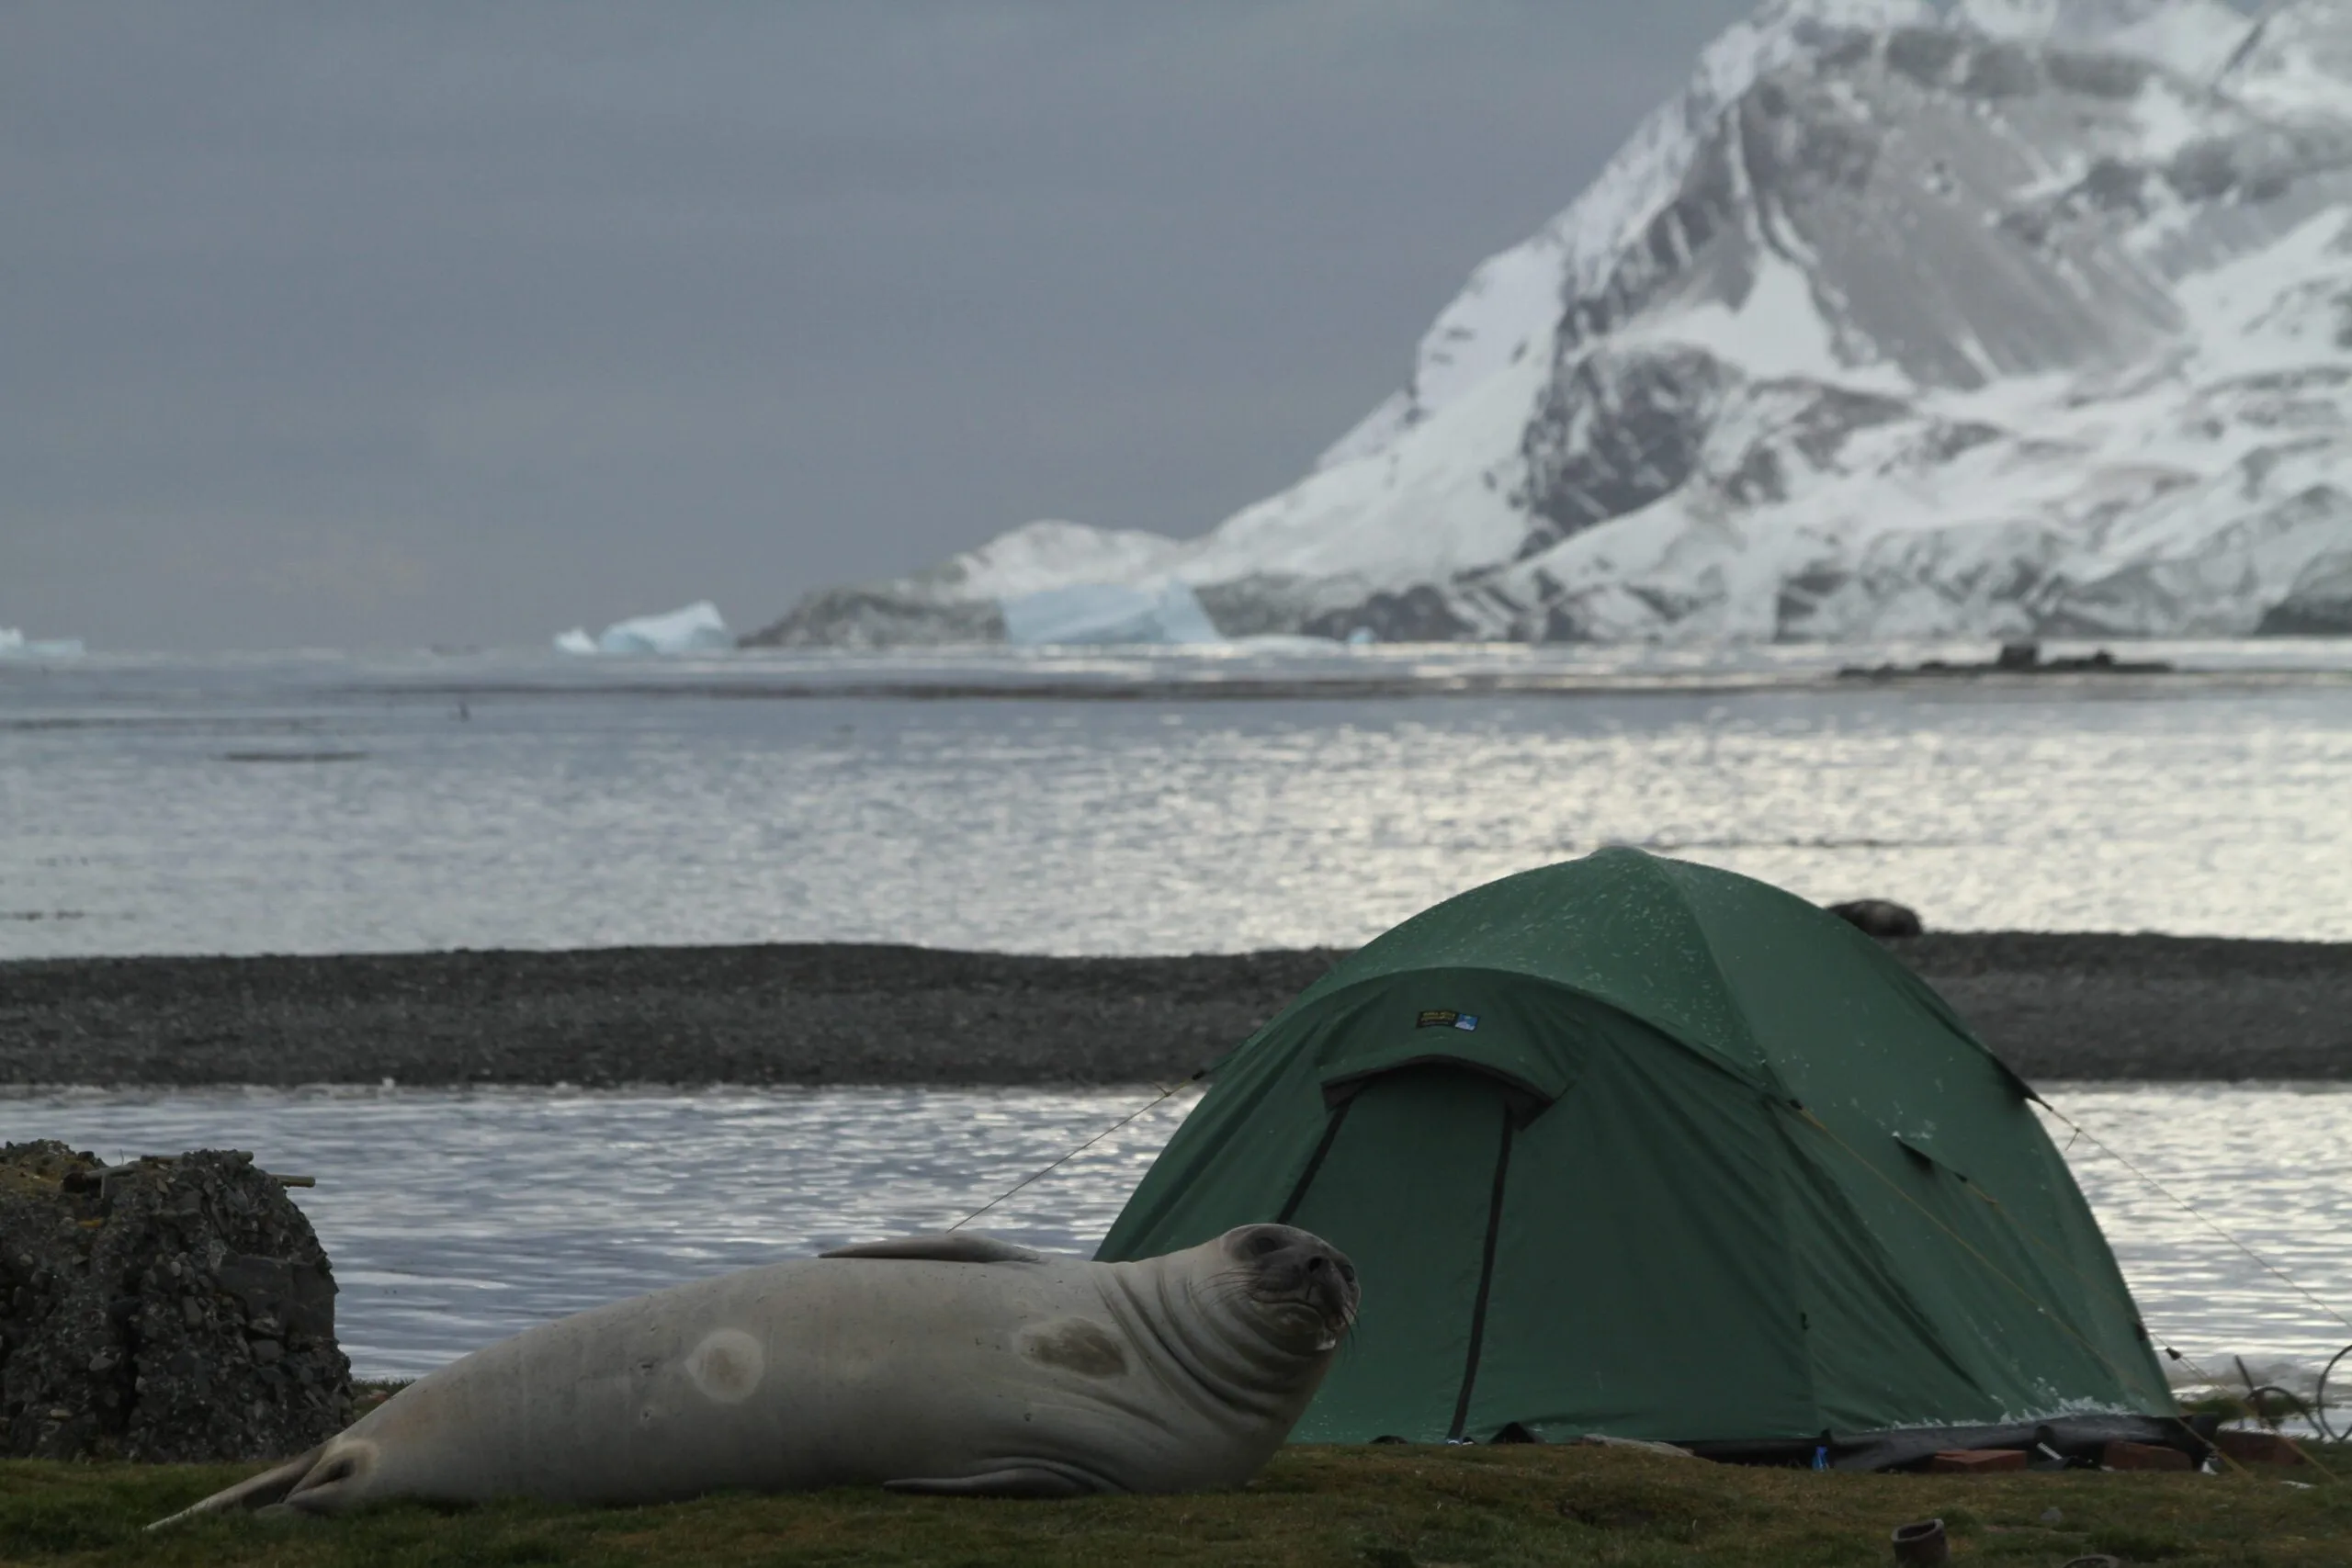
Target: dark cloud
x=397, y=324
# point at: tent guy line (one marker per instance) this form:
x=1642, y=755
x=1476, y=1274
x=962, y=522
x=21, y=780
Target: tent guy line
x=2170, y=1196
x=1049, y=1168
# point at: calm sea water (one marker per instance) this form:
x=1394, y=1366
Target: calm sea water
x=456, y=1218
x=332, y=804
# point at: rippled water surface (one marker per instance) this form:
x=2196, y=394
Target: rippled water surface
x=459, y=1218
x=456, y=1218
x=1133, y=805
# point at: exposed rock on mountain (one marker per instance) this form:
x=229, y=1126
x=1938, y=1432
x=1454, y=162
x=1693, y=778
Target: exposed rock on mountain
x=2030, y=319
x=961, y=600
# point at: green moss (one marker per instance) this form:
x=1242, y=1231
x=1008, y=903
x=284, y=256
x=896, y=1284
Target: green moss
x=1387, y=1508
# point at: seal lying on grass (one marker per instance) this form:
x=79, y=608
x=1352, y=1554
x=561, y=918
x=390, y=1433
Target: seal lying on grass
x=945, y=1363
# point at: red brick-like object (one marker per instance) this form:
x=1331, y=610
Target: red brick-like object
x=2143, y=1455
x=2257, y=1447
x=1975, y=1461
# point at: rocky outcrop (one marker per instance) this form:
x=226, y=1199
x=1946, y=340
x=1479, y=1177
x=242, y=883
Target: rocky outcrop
x=881, y=615
x=962, y=599
x=1881, y=918
x=2320, y=604
x=170, y=1310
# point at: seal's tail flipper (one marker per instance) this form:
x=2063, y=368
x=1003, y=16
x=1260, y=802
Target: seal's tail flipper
x=269, y=1487
x=1014, y=1480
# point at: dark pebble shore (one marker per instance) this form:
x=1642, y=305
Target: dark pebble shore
x=2054, y=1005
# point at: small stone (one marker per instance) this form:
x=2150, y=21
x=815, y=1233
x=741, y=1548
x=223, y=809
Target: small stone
x=2052, y=1518
x=1975, y=1461
x=2257, y=1447
x=267, y=1350
x=2122, y=1455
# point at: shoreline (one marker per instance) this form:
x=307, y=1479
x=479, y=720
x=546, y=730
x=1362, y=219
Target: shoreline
x=2085, y=1006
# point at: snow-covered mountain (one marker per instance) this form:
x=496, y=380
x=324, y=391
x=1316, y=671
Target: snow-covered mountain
x=2030, y=317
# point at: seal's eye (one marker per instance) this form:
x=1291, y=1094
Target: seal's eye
x=1347, y=1272
x=1262, y=1245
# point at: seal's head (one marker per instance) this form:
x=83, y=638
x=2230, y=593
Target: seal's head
x=1300, y=1286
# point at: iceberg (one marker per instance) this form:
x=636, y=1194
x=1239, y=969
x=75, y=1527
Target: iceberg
x=1164, y=612
x=14, y=644
x=698, y=629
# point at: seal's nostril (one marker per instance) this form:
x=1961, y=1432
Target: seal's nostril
x=1315, y=1263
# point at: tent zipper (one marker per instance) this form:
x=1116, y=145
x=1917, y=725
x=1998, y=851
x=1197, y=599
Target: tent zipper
x=1486, y=1279
x=1313, y=1163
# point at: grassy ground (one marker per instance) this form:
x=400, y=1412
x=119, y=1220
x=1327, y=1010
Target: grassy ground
x=1386, y=1507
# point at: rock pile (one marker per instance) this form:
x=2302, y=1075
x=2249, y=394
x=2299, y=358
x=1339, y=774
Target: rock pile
x=1881, y=918
x=169, y=1310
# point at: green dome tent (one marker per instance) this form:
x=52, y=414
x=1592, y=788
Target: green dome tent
x=1636, y=1147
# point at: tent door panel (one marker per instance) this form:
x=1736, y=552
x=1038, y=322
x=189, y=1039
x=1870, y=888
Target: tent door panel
x=1406, y=1189
x=1645, y=1282
x=1338, y=1119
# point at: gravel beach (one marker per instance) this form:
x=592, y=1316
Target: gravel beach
x=2055, y=1006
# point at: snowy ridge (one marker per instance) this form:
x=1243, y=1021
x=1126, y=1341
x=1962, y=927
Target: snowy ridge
x=2194, y=38
x=2296, y=64
x=1036, y=557
x=2033, y=321
x=1513, y=298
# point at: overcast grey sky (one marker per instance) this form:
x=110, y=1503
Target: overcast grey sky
x=400, y=325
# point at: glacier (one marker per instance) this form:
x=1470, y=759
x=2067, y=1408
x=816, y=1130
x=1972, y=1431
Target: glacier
x=696, y=628
x=2021, y=318
x=1163, y=612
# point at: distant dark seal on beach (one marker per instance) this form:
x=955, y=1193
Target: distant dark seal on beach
x=940, y=1364
x=1881, y=918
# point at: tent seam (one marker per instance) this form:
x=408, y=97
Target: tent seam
x=1770, y=1083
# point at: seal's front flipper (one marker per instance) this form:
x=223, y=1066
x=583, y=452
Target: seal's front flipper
x=948, y=1246
x=1014, y=1480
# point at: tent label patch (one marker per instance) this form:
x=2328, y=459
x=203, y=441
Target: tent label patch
x=1446, y=1017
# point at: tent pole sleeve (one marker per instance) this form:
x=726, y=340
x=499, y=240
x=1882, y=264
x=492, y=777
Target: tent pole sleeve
x=1486, y=1279
x=1313, y=1163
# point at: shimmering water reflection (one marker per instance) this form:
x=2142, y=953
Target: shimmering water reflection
x=455, y=1218
x=2272, y=1167
x=342, y=805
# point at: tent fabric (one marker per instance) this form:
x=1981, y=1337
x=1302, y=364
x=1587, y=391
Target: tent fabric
x=1639, y=1146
